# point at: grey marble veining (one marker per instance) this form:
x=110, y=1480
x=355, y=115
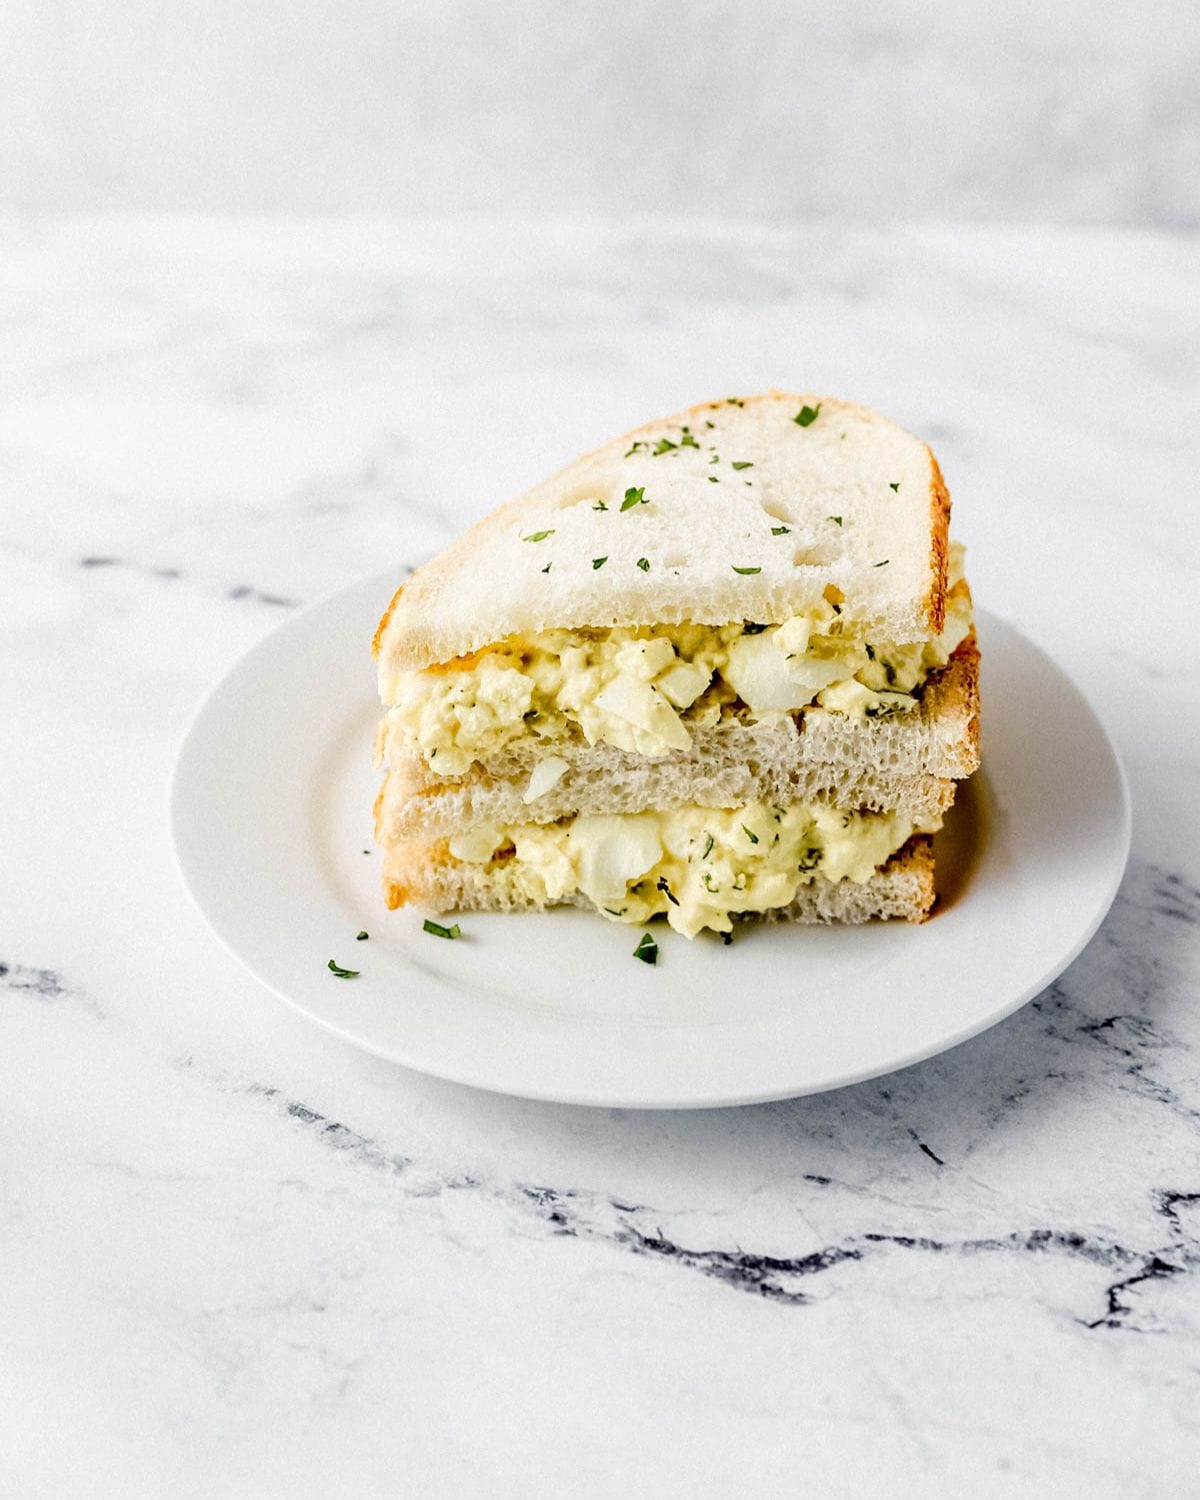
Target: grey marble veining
x=242, y=1259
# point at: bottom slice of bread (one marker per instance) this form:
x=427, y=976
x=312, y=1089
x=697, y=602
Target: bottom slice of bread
x=427, y=873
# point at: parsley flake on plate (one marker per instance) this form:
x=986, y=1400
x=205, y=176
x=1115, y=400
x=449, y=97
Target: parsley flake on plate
x=647, y=949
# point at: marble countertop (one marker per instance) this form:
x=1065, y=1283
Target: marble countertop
x=240, y=1259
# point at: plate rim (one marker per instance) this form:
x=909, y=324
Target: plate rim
x=465, y=1076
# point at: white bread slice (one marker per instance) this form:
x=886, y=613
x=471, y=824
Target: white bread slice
x=907, y=761
x=427, y=873
x=859, y=506
x=440, y=812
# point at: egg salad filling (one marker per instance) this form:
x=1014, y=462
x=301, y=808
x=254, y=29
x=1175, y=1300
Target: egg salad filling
x=698, y=865
x=645, y=689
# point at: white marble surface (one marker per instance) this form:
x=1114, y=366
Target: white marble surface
x=240, y=1259
x=786, y=109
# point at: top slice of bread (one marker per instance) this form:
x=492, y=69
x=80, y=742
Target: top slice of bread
x=847, y=500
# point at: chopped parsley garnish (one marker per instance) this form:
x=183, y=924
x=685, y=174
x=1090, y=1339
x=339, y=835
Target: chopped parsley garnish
x=895, y=488
x=538, y=536
x=687, y=440
x=709, y=424
x=666, y=890
x=644, y=564
x=636, y=448
x=614, y=912
x=336, y=969
x=598, y=562
x=665, y=445
x=600, y=505
x=781, y=530
x=436, y=928
x=708, y=846
x=753, y=629
x=746, y=571
x=807, y=415
x=715, y=459
x=734, y=401
x=634, y=497
x=547, y=568
x=837, y=520
x=884, y=563
x=750, y=834
x=362, y=937
x=708, y=885
x=647, y=949
x=712, y=479
x=742, y=463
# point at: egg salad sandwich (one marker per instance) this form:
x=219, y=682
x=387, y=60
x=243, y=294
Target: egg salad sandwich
x=723, y=665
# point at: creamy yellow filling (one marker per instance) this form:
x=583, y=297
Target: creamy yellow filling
x=645, y=689
x=698, y=865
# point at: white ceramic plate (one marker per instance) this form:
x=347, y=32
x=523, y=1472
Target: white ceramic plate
x=271, y=807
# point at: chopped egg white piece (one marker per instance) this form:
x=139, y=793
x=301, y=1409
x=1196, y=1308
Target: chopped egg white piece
x=545, y=775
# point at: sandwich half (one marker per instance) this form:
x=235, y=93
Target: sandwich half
x=724, y=665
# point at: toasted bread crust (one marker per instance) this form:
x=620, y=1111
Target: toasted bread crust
x=939, y=554
x=385, y=621
x=967, y=658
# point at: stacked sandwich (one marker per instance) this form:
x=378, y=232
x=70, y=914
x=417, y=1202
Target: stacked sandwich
x=723, y=665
